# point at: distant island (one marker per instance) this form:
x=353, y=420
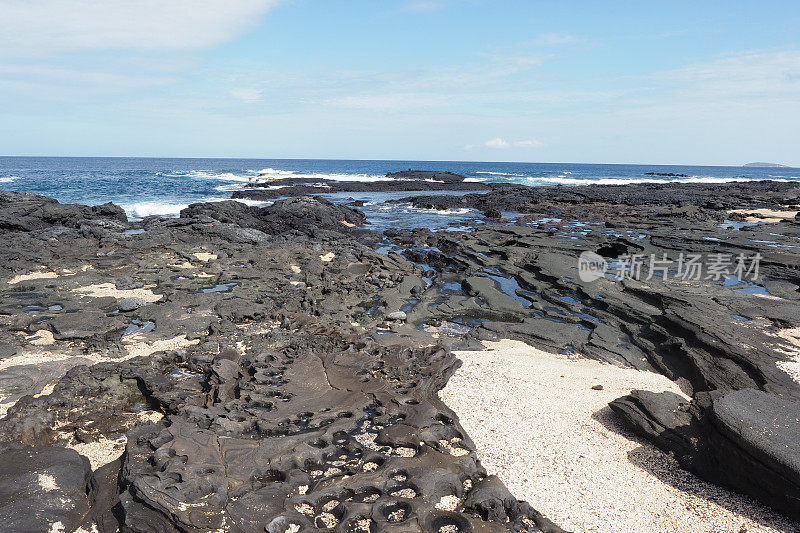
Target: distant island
x=761, y=164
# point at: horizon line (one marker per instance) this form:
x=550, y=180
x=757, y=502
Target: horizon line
x=743, y=165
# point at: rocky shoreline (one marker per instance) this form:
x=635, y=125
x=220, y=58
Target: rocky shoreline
x=277, y=369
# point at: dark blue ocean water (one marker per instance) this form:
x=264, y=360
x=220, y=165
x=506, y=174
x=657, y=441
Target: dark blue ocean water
x=145, y=186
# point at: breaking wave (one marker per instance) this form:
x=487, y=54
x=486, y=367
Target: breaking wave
x=210, y=175
x=153, y=208
x=273, y=174
x=566, y=179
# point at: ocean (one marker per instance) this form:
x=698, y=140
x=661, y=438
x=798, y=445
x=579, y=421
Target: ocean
x=163, y=186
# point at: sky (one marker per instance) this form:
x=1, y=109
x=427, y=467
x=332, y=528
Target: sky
x=669, y=82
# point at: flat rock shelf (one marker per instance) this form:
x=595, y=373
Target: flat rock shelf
x=279, y=369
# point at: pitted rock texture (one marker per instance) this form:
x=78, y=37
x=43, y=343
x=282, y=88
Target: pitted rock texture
x=348, y=440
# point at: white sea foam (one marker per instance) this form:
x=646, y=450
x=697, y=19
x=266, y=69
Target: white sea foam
x=153, y=208
x=228, y=188
x=9, y=179
x=210, y=174
x=512, y=175
x=442, y=212
x=256, y=203
x=455, y=211
x=173, y=209
x=236, y=187
x=565, y=180
x=273, y=174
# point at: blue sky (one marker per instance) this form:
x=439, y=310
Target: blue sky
x=611, y=82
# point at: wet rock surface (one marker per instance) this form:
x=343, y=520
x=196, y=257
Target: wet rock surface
x=280, y=369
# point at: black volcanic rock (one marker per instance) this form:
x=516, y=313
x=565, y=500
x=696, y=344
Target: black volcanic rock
x=431, y=175
x=647, y=202
x=292, y=214
x=290, y=401
x=281, y=407
x=746, y=440
x=42, y=489
x=411, y=180
x=268, y=190
x=668, y=174
x=29, y=212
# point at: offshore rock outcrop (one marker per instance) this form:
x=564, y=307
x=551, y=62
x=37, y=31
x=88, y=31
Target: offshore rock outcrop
x=303, y=214
x=410, y=180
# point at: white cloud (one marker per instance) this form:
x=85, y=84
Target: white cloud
x=759, y=73
x=248, y=96
x=33, y=75
x=36, y=27
x=497, y=143
x=502, y=143
x=530, y=143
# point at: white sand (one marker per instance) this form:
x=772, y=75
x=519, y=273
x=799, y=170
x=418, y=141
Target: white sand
x=538, y=424
x=109, y=289
x=19, y=278
x=47, y=482
x=35, y=358
x=42, y=337
x=791, y=338
x=205, y=256
x=101, y=452
x=41, y=352
x=770, y=216
x=137, y=347
x=106, y=450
